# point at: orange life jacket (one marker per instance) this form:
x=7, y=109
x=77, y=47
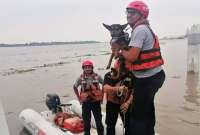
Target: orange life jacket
x=75, y=124
x=148, y=59
x=60, y=117
x=113, y=96
x=69, y=122
x=92, y=94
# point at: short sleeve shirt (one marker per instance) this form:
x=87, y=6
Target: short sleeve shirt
x=142, y=37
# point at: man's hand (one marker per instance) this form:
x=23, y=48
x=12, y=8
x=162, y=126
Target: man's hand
x=121, y=90
x=124, y=107
x=83, y=96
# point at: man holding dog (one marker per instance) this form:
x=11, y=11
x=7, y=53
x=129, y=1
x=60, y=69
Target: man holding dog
x=90, y=96
x=119, y=98
x=145, y=61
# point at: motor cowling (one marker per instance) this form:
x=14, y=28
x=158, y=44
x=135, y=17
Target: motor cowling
x=53, y=103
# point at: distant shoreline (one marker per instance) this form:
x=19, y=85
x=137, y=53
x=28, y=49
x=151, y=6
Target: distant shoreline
x=173, y=37
x=47, y=43
x=75, y=42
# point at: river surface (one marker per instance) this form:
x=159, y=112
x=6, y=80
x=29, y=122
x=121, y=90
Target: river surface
x=27, y=74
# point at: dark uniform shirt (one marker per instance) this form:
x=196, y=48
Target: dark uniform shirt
x=109, y=80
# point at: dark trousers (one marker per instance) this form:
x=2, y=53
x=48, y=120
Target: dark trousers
x=112, y=112
x=95, y=107
x=142, y=117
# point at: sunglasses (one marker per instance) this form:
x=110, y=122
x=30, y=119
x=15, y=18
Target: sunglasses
x=87, y=67
x=131, y=11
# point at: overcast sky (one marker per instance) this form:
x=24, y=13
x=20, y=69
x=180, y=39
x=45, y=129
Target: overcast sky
x=70, y=20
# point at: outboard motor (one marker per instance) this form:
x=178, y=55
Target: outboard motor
x=53, y=103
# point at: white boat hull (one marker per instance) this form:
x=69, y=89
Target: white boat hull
x=3, y=127
x=36, y=124
x=42, y=123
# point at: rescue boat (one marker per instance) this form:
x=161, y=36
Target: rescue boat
x=43, y=123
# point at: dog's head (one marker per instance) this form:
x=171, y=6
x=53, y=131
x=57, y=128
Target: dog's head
x=117, y=33
x=116, y=30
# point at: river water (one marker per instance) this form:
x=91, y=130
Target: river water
x=27, y=74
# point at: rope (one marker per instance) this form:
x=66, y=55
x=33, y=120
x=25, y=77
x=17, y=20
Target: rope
x=124, y=113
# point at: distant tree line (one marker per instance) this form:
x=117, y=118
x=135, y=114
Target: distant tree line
x=48, y=43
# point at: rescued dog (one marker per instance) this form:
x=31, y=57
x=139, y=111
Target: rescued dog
x=119, y=37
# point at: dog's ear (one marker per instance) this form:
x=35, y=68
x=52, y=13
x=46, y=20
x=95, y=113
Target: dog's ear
x=107, y=26
x=124, y=26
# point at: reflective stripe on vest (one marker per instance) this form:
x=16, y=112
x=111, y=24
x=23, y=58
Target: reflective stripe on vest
x=84, y=82
x=94, y=95
x=148, y=59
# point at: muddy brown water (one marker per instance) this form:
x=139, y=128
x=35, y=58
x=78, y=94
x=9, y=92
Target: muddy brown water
x=27, y=74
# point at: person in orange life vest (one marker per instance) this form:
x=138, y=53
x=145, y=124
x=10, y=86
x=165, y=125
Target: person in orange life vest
x=145, y=61
x=116, y=104
x=90, y=96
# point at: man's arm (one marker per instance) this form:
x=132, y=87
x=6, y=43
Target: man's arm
x=130, y=99
x=124, y=107
x=138, y=37
x=76, y=92
x=132, y=54
x=108, y=88
x=75, y=87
